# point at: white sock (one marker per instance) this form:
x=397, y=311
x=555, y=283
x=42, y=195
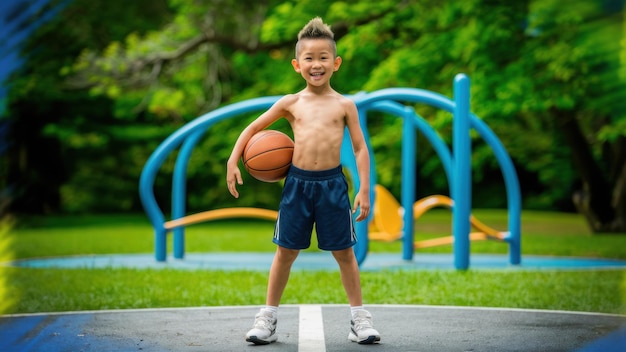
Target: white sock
x=272, y=309
x=355, y=309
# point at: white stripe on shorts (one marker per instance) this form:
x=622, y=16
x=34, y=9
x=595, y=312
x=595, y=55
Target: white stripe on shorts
x=352, y=232
x=276, y=229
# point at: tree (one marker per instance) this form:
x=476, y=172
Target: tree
x=61, y=140
x=574, y=54
x=543, y=77
x=547, y=87
x=211, y=53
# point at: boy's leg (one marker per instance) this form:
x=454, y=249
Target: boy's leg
x=361, y=326
x=279, y=274
x=263, y=331
x=350, y=277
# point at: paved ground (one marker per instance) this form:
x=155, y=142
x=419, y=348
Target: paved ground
x=403, y=328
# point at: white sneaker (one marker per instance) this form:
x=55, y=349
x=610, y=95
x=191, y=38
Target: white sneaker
x=262, y=333
x=362, y=329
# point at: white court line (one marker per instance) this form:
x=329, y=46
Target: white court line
x=311, y=332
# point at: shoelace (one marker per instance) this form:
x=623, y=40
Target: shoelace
x=263, y=321
x=362, y=323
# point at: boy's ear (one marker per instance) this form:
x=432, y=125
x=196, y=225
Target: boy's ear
x=296, y=65
x=338, y=62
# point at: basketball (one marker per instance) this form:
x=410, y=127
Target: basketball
x=267, y=156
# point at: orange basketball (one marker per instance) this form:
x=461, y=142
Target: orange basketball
x=267, y=156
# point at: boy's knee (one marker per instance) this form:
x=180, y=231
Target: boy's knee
x=344, y=255
x=286, y=254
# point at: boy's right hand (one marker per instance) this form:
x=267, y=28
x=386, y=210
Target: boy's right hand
x=233, y=178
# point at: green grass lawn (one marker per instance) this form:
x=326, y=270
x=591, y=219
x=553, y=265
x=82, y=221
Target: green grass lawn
x=25, y=290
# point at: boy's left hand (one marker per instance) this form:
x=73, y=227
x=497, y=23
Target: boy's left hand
x=362, y=203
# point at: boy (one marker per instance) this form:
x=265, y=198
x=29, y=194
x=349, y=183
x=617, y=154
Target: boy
x=315, y=190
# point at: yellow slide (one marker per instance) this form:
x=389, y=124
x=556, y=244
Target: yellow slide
x=386, y=224
x=387, y=219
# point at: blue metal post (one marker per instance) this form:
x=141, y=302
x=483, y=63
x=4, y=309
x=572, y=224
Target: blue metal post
x=160, y=244
x=408, y=182
x=462, y=193
x=179, y=191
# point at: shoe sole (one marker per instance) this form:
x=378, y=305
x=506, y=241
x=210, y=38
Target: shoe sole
x=367, y=341
x=257, y=341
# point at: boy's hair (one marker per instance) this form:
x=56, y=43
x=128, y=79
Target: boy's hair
x=316, y=29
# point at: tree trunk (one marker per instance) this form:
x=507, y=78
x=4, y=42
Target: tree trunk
x=595, y=200
x=619, y=193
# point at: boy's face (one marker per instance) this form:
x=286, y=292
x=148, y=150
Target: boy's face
x=316, y=61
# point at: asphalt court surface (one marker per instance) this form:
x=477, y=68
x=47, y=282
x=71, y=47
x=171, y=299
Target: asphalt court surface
x=402, y=328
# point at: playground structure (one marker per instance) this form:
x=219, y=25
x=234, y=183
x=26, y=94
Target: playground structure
x=456, y=163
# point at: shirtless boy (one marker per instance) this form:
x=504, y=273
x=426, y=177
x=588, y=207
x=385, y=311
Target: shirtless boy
x=315, y=190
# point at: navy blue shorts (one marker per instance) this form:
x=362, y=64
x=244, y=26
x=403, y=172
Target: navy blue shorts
x=315, y=197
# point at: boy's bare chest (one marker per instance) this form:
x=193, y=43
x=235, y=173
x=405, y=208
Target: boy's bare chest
x=318, y=112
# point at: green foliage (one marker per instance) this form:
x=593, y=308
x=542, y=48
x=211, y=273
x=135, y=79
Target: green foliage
x=157, y=65
x=60, y=145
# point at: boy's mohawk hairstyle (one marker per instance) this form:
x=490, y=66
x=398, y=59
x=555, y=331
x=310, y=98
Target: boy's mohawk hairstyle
x=316, y=29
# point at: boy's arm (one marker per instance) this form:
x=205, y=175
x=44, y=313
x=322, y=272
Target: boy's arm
x=233, y=174
x=361, y=154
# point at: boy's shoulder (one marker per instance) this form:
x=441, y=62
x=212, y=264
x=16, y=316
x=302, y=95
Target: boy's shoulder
x=289, y=98
x=344, y=99
x=286, y=100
